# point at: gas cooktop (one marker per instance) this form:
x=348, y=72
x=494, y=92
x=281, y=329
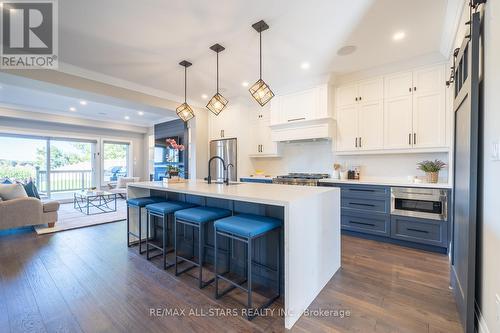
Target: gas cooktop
x=310, y=179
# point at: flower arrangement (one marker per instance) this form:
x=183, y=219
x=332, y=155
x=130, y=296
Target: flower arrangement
x=173, y=144
x=431, y=168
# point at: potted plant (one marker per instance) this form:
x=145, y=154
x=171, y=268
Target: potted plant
x=173, y=171
x=431, y=169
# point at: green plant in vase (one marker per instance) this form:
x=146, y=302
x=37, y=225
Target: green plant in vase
x=173, y=171
x=431, y=169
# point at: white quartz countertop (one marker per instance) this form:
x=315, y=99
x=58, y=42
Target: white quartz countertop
x=250, y=192
x=387, y=182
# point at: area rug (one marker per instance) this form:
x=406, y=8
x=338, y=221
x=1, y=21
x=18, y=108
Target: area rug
x=71, y=218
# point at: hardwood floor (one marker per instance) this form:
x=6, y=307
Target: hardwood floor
x=87, y=280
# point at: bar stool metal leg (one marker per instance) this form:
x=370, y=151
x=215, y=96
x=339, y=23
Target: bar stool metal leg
x=216, y=280
x=140, y=230
x=249, y=272
x=128, y=227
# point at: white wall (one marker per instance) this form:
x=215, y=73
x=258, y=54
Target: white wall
x=33, y=127
x=490, y=247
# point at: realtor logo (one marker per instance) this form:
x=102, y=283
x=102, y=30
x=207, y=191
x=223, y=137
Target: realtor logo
x=29, y=34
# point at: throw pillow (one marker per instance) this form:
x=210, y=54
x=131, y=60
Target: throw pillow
x=31, y=190
x=12, y=191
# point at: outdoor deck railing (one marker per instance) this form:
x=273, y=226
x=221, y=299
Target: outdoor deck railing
x=61, y=181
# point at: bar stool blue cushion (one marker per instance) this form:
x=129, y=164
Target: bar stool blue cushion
x=202, y=214
x=247, y=225
x=168, y=207
x=142, y=202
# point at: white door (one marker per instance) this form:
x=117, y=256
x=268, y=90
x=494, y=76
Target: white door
x=371, y=125
x=346, y=95
x=371, y=90
x=398, y=129
x=347, y=128
x=429, y=111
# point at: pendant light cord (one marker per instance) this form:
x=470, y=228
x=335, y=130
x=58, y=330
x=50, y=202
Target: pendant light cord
x=185, y=84
x=260, y=53
x=217, y=72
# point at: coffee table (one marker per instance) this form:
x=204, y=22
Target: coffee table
x=94, y=202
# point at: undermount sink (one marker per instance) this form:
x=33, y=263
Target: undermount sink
x=222, y=183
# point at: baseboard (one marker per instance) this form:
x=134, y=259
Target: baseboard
x=481, y=323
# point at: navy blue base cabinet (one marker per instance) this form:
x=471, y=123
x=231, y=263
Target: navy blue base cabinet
x=366, y=212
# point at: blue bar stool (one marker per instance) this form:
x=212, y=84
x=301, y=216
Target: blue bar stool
x=247, y=228
x=162, y=210
x=197, y=218
x=139, y=203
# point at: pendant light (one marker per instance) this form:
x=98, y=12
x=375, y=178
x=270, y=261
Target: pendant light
x=184, y=111
x=218, y=102
x=260, y=90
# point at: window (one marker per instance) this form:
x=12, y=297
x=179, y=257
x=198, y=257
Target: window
x=115, y=160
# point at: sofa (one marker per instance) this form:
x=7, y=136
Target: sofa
x=120, y=187
x=19, y=210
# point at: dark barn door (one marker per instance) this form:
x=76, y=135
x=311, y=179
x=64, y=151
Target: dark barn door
x=466, y=113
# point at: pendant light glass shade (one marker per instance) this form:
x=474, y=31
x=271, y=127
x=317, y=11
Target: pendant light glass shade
x=260, y=90
x=218, y=102
x=184, y=111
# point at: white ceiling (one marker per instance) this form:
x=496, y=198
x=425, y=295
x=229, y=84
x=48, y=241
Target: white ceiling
x=142, y=42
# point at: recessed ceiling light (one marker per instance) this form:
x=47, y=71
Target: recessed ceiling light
x=82, y=102
x=127, y=117
x=204, y=96
x=346, y=50
x=244, y=84
x=305, y=65
x=140, y=113
x=400, y=35
x=72, y=109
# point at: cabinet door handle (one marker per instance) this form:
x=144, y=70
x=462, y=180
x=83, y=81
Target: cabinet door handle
x=356, y=142
x=359, y=97
x=261, y=148
x=363, y=223
x=409, y=89
x=414, y=138
x=295, y=119
x=416, y=230
x=361, y=204
x=360, y=145
x=414, y=88
x=356, y=99
x=409, y=139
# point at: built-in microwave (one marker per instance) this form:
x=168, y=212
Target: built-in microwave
x=420, y=202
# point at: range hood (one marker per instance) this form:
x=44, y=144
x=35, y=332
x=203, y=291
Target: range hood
x=304, y=130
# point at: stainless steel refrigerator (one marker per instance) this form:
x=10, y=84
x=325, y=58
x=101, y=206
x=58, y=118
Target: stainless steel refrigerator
x=228, y=151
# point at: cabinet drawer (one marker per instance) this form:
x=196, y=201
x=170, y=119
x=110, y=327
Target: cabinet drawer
x=423, y=231
x=369, y=205
x=371, y=224
x=365, y=191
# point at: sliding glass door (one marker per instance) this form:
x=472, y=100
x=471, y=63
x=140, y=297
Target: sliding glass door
x=115, y=161
x=59, y=167
x=72, y=166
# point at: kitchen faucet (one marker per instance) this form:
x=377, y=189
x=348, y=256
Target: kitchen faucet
x=209, y=178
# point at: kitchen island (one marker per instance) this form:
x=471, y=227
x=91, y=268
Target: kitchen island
x=311, y=230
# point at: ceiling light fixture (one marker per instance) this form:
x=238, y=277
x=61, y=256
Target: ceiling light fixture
x=82, y=102
x=184, y=111
x=400, y=35
x=73, y=109
x=204, y=96
x=260, y=90
x=305, y=65
x=346, y=50
x=140, y=113
x=244, y=84
x=218, y=102
x=127, y=117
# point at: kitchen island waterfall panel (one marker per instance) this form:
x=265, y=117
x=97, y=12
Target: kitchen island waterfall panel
x=311, y=229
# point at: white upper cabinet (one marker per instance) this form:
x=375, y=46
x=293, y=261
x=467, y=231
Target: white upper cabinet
x=371, y=90
x=403, y=111
x=225, y=124
x=360, y=116
x=310, y=104
x=261, y=144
